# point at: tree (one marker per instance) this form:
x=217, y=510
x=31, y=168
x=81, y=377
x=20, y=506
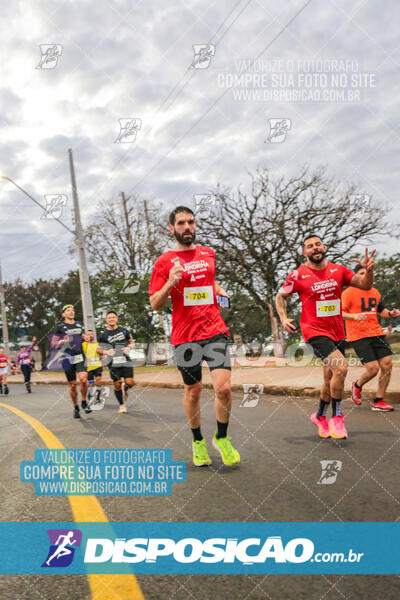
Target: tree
x=123, y=244
x=387, y=279
x=126, y=235
x=36, y=306
x=258, y=234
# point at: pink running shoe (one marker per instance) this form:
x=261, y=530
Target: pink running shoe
x=322, y=424
x=382, y=406
x=337, y=428
x=356, y=394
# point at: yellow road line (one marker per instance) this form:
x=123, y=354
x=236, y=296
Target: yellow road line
x=87, y=509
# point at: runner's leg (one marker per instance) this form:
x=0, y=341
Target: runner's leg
x=73, y=392
x=385, y=364
x=221, y=379
x=83, y=386
x=98, y=383
x=371, y=369
x=325, y=397
x=191, y=404
x=337, y=362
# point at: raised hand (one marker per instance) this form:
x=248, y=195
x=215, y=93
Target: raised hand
x=368, y=261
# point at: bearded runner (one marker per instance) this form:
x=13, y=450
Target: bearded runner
x=187, y=275
x=319, y=283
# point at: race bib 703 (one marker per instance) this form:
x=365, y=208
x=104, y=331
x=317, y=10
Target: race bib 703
x=328, y=308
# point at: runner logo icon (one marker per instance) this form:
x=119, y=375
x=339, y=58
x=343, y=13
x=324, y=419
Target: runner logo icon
x=330, y=471
x=63, y=543
x=278, y=129
x=251, y=395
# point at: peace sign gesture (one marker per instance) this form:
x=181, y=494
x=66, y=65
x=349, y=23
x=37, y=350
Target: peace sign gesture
x=368, y=262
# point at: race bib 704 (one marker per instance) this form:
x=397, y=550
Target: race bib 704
x=196, y=296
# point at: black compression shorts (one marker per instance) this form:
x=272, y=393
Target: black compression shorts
x=190, y=355
x=93, y=373
x=118, y=373
x=71, y=372
x=323, y=346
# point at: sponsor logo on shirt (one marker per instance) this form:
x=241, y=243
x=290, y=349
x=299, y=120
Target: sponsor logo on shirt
x=196, y=265
x=117, y=337
x=326, y=285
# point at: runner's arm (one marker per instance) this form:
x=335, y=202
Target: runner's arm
x=160, y=298
x=130, y=346
x=354, y=316
x=386, y=313
x=365, y=282
x=280, y=304
x=219, y=290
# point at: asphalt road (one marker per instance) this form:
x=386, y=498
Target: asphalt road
x=276, y=481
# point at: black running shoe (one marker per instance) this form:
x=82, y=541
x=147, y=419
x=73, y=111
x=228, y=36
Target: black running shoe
x=6, y=390
x=85, y=407
x=76, y=413
x=28, y=388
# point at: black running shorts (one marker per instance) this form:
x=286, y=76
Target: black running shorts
x=93, y=373
x=190, y=355
x=323, y=346
x=118, y=373
x=72, y=371
x=369, y=349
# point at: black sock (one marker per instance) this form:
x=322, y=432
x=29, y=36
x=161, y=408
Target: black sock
x=357, y=386
x=323, y=407
x=336, y=407
x=197, y=434
x=118, y=395
x=222, y=429
x=377, y=400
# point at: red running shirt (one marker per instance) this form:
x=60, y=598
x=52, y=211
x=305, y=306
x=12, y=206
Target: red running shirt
x=320, y=294
x=3, y=361
x=195, y=313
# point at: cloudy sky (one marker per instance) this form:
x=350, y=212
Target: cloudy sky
x=130, y=60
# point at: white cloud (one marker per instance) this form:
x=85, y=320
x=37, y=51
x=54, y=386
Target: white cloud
x=121, y=61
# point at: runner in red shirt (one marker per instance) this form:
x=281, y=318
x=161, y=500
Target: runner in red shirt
x=187, y=274
x=319, y=284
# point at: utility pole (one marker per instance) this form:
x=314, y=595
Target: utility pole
x=128, y=233
x=87, y=305
x=6, y=342
x=150, y=248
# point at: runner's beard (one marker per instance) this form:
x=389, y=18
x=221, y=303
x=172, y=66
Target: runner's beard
x=186, y=240
x=316, y=261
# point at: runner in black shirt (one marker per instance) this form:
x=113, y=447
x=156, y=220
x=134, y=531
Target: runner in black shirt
x=73, y=360
x=117, y=342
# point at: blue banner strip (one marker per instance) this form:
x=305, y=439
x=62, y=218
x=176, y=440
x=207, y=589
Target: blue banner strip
x=195, y=548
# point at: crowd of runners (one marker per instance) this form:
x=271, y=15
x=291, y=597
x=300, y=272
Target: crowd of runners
x=330, y=315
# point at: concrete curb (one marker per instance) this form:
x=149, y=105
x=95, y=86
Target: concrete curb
x=269, y=390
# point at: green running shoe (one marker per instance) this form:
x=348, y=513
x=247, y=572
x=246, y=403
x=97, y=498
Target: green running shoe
x=200, y=454
x=230, y=456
